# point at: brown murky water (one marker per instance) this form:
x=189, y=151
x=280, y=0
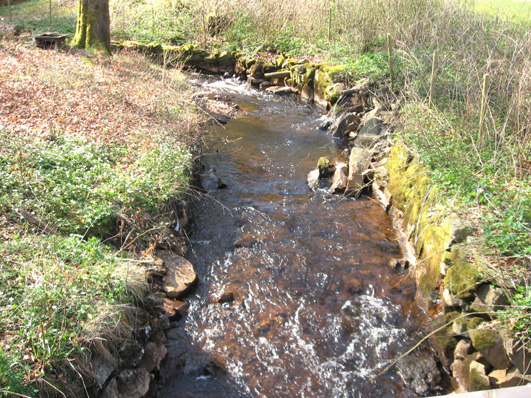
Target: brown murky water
x=317, y=312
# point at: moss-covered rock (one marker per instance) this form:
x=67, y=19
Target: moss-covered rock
x=323, y=166
x=477, y=378
x=463, y=279
x=443, y=341
x=326, y=88
x=483, y=339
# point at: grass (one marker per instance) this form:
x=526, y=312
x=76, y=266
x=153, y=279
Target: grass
x=97, y=150
x=34, y=15
x=516, y=11
x=53, y=288
x=78, y=186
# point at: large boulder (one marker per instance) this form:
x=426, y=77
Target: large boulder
x=359, y=161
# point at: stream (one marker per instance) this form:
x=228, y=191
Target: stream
x=317, y=311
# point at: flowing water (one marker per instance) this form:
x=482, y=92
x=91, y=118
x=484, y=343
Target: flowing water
x=317, y=311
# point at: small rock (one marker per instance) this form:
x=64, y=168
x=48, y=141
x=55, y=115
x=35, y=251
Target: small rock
x=325, y=125
x=359, y=161
x=278, y=90
x=420, y=371
x=459, y=228
x=370, y=132
x=477, y=379
x=133, y=383
x=154, y=300
x=459, y=329
x=451, y=300
x=346, y=120
x=227, y=297
x=102, y=369
x=461, y=349
x=458, y=372
x=514, y=378
x=497, y=376
x=490, y=298
x=111, y=391
x=131, y=353
x=255, y=82
x=313, y=179
x=175, y=309
x=153, y=356
x=265, y=85
x=164, y=322
x=519, y=355
x=211, y=181
x=339, y=179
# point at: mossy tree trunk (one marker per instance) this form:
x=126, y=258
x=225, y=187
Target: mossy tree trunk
x=93, y=25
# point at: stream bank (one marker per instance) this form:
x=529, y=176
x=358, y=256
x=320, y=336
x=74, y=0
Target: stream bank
x=475, y=355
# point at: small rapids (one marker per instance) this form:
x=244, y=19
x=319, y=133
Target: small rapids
x=317, y=311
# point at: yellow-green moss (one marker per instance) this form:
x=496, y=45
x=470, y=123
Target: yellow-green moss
x=483, y=339
x=463, y=278
x=435, y=240
x=323, y=163
x=477, y=381
x=325, y=78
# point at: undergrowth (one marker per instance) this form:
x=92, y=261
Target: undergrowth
x=77, y=187
x=52, y=289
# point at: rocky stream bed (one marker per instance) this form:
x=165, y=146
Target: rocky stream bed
x=268, y=315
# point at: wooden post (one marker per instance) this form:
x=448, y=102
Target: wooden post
x=433, y=74
x=330, y=24
x=481, y=135
x=390, y=55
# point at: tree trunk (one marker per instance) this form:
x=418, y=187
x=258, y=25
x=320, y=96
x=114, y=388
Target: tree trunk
x=93, y=25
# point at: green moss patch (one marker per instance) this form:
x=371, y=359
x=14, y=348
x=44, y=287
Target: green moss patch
x=463, y=279
x=483, y=339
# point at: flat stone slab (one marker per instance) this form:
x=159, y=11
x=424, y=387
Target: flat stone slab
x=180, y=275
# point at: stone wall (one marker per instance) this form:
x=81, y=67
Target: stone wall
x=459, y=293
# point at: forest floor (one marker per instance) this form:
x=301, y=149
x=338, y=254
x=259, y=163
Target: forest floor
x=83, y=137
